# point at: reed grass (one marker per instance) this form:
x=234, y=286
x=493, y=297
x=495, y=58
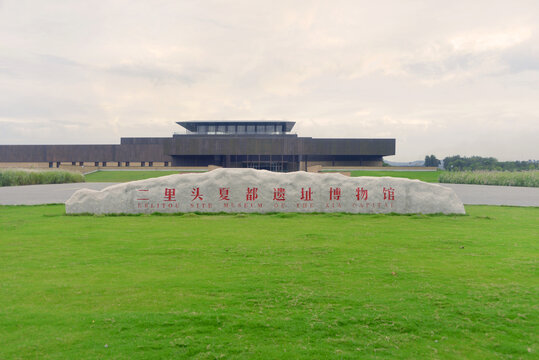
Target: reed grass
x=33, y=177
x=503, y=178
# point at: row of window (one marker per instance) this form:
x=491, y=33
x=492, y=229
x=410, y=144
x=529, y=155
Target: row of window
x=105, y=163
x=239, y=129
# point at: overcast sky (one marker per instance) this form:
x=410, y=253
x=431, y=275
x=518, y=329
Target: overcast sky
x=441, y=77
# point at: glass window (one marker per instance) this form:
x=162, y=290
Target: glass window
x=231, y=129
x=278, y=129
x=221, y=129
x=260, y=129
x=202, y=129
x=241, y=129
x=211, y=129
x=250, y=129
x=270, y=129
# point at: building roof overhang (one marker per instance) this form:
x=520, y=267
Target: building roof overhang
x=192, y=125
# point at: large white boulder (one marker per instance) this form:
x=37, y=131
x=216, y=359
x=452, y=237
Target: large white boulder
x=249, y=190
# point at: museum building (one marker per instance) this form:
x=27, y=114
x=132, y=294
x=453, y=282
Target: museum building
x=266, y=145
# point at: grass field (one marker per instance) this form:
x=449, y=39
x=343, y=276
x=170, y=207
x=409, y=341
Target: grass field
x=282, y=286
x=427, y=176
x=124, y=176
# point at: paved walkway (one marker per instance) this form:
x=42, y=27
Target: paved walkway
x=469, y=194
x=496, y=195
x=43, y=194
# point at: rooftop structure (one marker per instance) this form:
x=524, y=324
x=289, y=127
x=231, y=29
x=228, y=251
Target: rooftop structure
x=237, y=127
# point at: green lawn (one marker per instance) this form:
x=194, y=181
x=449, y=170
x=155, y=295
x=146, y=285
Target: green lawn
x=282, y=286
x=124, y=176
x=427, y=176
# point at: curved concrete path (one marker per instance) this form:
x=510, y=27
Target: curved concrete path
x=43, y=194
x=496, y=195
x=469, y=194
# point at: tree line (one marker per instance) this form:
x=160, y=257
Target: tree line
x=462, y=163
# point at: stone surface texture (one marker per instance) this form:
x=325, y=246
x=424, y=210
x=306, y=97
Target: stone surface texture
x=249, y=190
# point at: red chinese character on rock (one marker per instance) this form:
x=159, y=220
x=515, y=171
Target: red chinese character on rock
x=362, y=194
x=170, y=194
x=306, y=195
x=279, y=194
x=252, y=194
x=389, y=194
x=196, y=194
x=334, y=194
x=223, y=193
x=143, y=195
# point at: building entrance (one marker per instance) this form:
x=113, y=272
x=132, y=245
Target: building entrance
x=266, y=165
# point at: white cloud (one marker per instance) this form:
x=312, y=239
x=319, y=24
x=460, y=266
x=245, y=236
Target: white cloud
x=441, y=77
x=481, y=41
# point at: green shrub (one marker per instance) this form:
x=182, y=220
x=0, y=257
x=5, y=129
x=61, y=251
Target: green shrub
x=30, y=177
x=504, y=178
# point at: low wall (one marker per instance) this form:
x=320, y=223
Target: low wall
x=88, y=167
x=24, y=165
x=378, y=168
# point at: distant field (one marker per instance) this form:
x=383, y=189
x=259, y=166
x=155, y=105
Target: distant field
x=427, y=176
x=281, y=286
x=124, y=176
x=529, y=178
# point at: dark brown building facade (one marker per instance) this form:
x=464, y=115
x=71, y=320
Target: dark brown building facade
x=254, y=144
